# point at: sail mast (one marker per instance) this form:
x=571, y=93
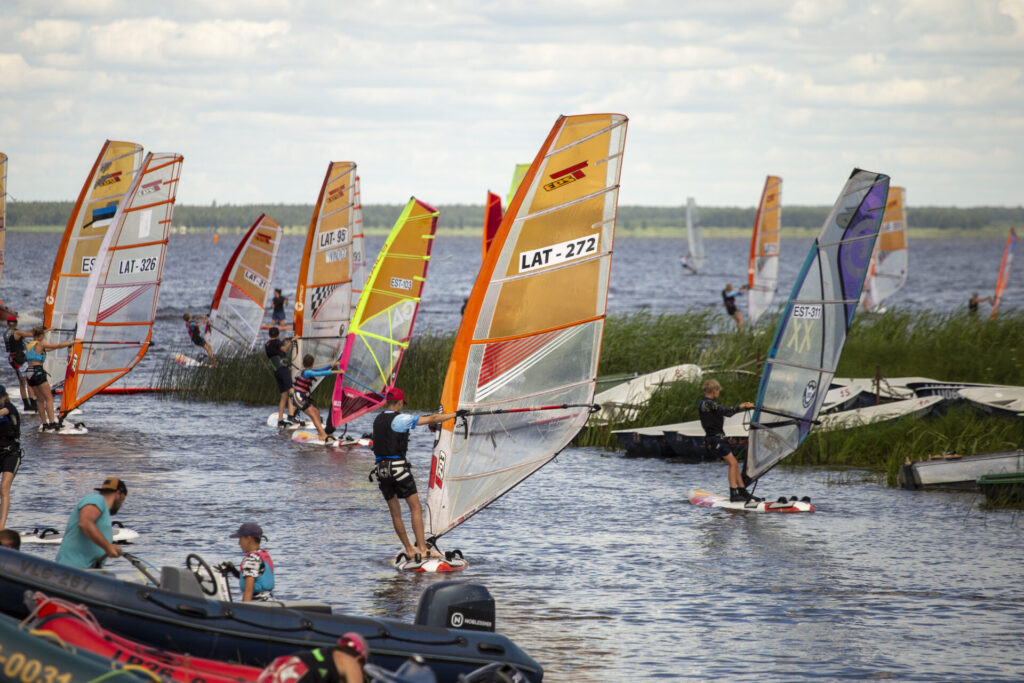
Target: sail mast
x=763, y=267
x=521, y=346
x=814, y=324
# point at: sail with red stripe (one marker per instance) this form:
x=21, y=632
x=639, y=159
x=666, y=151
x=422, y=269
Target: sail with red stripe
x=115, y=320
x=492, y=219
x=244, y=292
x=1004, y=270
x=525, y=357
x=105, y=187
x=333, y=268
x=382, y=324
x=763, y=268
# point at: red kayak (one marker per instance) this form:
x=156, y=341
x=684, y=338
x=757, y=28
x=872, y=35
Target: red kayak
x=75, y=625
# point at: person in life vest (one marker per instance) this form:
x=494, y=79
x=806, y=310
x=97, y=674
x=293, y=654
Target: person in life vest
x=302, y=387
x=342, y=663
x=394, y=474
x=712, y=419
x=192, y=325
x=277, y=353
x=15, y=345
x=256, y=571
x=729, y=301
x=38, y=379
x=10, y=451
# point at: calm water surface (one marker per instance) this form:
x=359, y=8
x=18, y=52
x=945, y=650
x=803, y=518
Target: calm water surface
x=599, y=566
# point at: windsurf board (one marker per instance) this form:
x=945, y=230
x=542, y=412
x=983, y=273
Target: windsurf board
x=187, y=361
x=451, y=562
x=302, y=436
x=68, y=429
x=272, y=422
x=51, y=536
x=713, y=500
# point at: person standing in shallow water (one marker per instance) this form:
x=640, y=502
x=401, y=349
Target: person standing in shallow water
x=712, y=419
x=729, y=300
x=972, y=305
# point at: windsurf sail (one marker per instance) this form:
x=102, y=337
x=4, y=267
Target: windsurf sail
x=115, y=320
x=888, y=271
x=526, y=353
x=517, y=177
x=243, y=292
x=382, y=324
x=694, y=235
x=810, y=336
x=93, y=213
x=492, y=219
x=3, y=210
x=1004, y=271
x=333, y=268
x=763, y=268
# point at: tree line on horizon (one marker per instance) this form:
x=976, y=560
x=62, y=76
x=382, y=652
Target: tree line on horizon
x=470, y=216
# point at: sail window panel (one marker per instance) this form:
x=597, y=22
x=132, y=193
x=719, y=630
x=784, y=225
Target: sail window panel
x=508, y=370
x=125, y=304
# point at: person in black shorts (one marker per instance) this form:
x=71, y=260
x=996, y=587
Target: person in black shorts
x=278, y=304
x=394, y=474
x=972, y=305
x=192, y=325
x=10, y=451
x=277, y=352
x=712, y=419
x=729, y=301
x=15, y=345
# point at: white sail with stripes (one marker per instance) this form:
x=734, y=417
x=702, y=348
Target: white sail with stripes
x=526, y=354
x=814, y=324
x=115, y=320
x=242, y=295
x=694, y=234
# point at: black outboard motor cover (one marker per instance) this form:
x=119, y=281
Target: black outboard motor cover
x=456, y=604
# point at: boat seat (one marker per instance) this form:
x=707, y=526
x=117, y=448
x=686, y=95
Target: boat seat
x=181, y=580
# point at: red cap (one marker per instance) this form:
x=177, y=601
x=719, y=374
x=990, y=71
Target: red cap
x=12, y=319
x=396, y=394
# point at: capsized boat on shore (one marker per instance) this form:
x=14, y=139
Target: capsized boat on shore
x=524, y=361
x=180, y=617
x=622, y=401
x=999, y=400
x=956, y=471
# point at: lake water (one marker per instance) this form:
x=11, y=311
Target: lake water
x=599, y=566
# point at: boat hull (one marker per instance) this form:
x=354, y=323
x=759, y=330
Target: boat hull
x=246, y=633
x=954, y=471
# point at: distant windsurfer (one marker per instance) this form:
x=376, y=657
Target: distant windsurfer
x=15, y=346
x=278, y=303
x=712, y=419
x=394, y=474
x=686, y=262
x=729, y=299
x=277, y=352
x=38, y=380
x=192, y=325
x=302, y=388
x=972, y=305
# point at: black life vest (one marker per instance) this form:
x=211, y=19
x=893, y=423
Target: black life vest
x=15, y=346
x=10, y=427
x=387, y=443
x=276, y=355
x=319, y=666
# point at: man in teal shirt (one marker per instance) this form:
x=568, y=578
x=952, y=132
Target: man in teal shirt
x=89, y=536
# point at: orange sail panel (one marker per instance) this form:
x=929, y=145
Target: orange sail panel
x=763, y=267
x=888, y=272
x=333, y=268
x=382, y=324
x=243, y=292
x=530, y=337
x=1004, y=270
x=492, y=219
x=115, y=320
x=105, y=187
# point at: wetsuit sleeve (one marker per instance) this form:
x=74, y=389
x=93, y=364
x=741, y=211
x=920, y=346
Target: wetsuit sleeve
x=404, y=423
x=727, y=411
x=321, y=372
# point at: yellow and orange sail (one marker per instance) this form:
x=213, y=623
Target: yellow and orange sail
x=763, y=267
x=526, y=354
x=889, y=262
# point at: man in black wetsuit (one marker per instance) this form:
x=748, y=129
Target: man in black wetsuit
x=15, y=346
x=972, y=305
x=10, y=451
x=277, y=352
x=394, y=474
x=712, y=419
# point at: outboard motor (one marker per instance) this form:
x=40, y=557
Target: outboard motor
x=456, y=604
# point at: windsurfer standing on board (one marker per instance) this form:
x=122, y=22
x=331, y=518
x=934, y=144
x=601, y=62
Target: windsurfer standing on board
x=278, y=303
x=712, y=419
x=972, y=305
x=277, y=352
x=38, y=381
x=685, y=262
x=394, y=474
x=192, y=324
x=729, y=299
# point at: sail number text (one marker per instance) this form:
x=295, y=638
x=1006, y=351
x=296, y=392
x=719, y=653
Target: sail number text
x=331, y=238
x=807, y=311
x=557, y=253
x=136, y=265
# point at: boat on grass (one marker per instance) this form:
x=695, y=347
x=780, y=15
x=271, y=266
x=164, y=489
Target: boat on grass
x=181, y=615
x=955, y=471
x=1006, y=401
x=621, y=402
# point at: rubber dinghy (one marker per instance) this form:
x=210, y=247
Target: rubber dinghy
x=179, y=617
x=524, y=362
x=810, y=336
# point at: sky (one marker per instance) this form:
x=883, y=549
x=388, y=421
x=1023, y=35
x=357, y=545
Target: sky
x=441, y=99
